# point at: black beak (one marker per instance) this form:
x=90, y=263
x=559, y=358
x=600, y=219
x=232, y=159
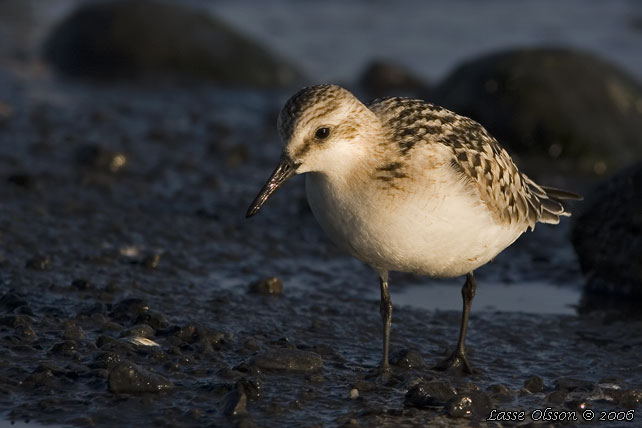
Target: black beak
x=284, y=170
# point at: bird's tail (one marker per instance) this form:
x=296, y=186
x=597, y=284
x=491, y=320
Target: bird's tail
x=552, y=202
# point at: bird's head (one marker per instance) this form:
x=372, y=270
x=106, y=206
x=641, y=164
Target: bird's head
x=324, y=129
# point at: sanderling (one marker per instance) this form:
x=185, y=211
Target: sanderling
x=404, y=185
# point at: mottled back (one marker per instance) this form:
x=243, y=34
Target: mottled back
x=509, y=194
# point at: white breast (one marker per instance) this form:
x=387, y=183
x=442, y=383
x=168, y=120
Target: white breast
x=435, y=225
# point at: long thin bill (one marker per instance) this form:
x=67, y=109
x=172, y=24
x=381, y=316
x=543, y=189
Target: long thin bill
x=284, y=170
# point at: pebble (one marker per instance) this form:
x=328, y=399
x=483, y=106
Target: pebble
x=418, y=396
x=289, y=360
x=501, y=392
x=534, y=384
x=408, y=359
x=38, y=263
x=268, y=286
x=128, y=378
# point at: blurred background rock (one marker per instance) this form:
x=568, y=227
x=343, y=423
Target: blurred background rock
x=134, y=133
x=557, y=84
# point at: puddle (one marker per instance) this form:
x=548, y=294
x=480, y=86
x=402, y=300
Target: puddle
x=535, y=297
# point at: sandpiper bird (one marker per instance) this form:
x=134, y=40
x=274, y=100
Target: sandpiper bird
x=404, y=185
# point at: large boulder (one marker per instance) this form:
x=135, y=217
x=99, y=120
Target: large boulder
x=143, y=38
x=382, y=78
x=17, y=28
x=607, y=235
x=554, y=104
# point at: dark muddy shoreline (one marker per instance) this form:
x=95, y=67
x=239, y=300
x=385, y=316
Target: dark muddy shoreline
x=122, y=218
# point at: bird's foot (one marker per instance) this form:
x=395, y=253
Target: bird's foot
x=456, y=362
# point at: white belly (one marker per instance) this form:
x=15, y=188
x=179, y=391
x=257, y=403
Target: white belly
x=439, y=230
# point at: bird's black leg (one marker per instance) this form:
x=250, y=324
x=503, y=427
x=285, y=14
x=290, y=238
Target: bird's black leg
x=458, y=358
x=385, y=307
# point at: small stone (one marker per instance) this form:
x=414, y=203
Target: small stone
x=66, y=348
x=421, y=395
x=24, y=180
x=501, y=392
x=269, y=286
x=129, y=309
x=100, y=158
x=16, y=321
x=460, y=406
x=80, y=284
x=73, y=331
x=571, y=385
x=26, y=333
x=408, y=359
x=151, y=261
x=289, y=360
x=382, y=78
x=154, y=319
x=470, y=403
x=38, y=263
x=126, y=377
x=354, y=393
x=139, y=330
x=10, y=301
x=557, y=397
x=534, y=384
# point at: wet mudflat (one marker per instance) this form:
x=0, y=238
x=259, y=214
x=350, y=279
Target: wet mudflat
x=128, y=292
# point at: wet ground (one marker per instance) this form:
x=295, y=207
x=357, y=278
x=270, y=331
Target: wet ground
x=126, y=266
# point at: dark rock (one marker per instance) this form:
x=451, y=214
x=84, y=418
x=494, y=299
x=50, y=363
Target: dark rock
x=129, y=309
x=26, y=333
x=128, y=378
x=408, y=359
x=22, y=179
x=208, y=339
x=105, y=360
x=80, y=284
x=418, y=396
x=235, y=403
x=433, y=392
x=534, y=384
x=151, y=261
x=100, y=158
x=73, y=331
x=271, y=285
x=460, y=406
x=557, y=397
x=18, y=24
x=607, y=235
x=468, y=404
x=16, y=321
x=153, y=319
x=288, y=359
x=38, y=263
x=501, y=393
x=11, y=301
x=106, y=343
x=533, y=102
x=140, y=330
x=146, y=38
x=68, y=348
x=570, y=385
x=382, y=78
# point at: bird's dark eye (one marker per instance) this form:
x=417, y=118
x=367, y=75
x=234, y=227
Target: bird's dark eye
x=322, y=133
